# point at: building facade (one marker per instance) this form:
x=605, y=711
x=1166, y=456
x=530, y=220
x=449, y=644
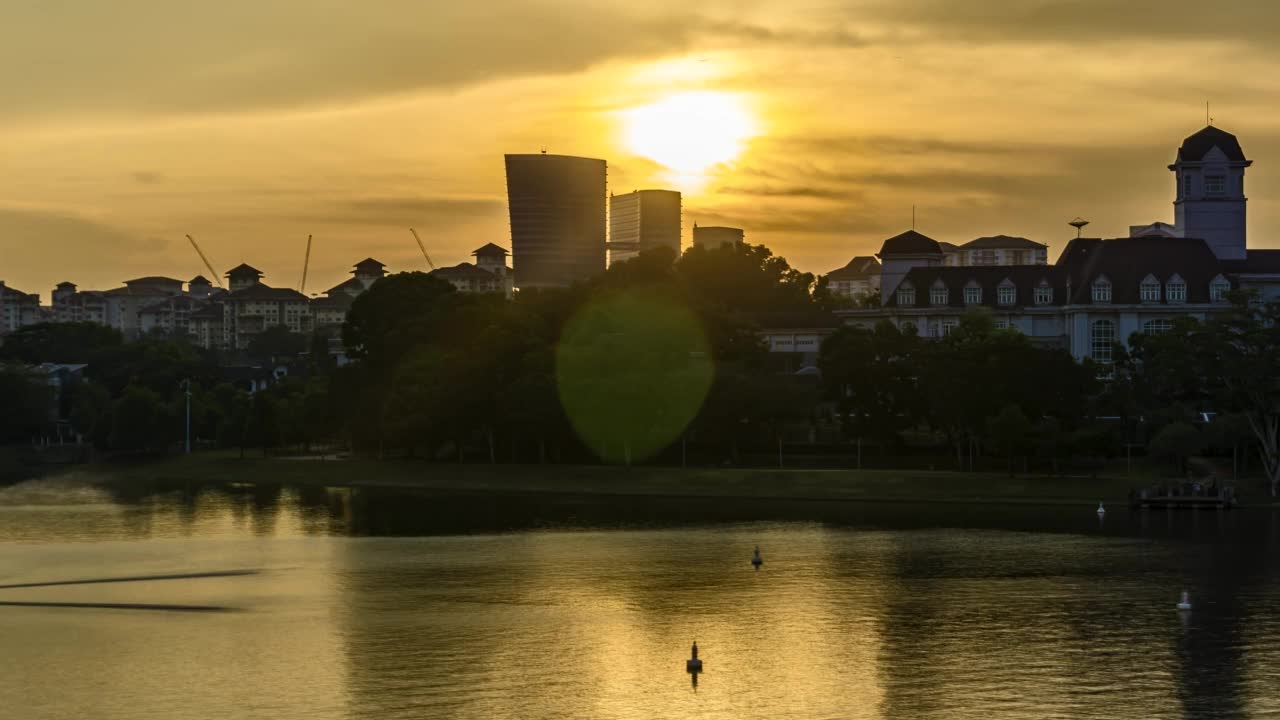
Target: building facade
x=714, y=236
x=995, y=250
x=557, y=209
x=1099, y=291
x=489, y=274
x=859, y=280
x=641, y=220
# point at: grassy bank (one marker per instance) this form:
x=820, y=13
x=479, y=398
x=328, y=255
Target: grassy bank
x=878, y=485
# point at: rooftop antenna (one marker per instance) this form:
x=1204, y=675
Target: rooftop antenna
x=1078, y=224
x=1207, y=120
x=913, y=217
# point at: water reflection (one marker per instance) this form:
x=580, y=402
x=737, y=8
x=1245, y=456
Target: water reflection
x=398, y=604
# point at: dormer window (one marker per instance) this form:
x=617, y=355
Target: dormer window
x=1175, y=291
x=1149, y=290
x=972, y=295
x=1044, y=294
x=938, y=295
x=1219, y=289
x=906, y=296
x=1006, y=294
x=1102, y=290
x=1215, y=185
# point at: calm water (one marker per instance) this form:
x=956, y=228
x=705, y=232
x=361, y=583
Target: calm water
x=397, y=605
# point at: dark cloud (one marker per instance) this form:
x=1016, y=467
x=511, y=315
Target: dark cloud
x=407, y=211
x=144, y=56
x=1079, y=22
x=85, y=247
x=786, y=191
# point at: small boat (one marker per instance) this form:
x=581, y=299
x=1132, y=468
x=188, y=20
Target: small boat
x=756, y=560
x=693, y=664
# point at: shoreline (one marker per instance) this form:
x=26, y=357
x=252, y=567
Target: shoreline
x=800, y=484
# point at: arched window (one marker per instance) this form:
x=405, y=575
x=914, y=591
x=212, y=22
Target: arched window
x=1044, y=294
x=1149, y=290
x=1157, y=327
x=907, y=295
x=1102, y=290
x=1175, y=291
x=1101, y=340
x=938, y=294
x=1006, y=293
x=1219, y=288
x=973, y=294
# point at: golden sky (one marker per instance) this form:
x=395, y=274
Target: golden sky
x=252, y=123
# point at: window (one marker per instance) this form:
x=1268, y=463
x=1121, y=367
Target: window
x=1101, y=341
x=1176, y=291
x=1006, y=294
x=984, y=257
x=938, y=296
x=1215, y=185
x=1150, y=290
x=1186, y=186
x=1218, y=290
x=947, y=327
x=1157, y=327
x=1044, y=295
x=907, y=296
x=1002, y=324
x=972, y=295
x=1102, y=290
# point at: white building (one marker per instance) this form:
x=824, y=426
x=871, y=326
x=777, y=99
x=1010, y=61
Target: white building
x=1099, y=292
x=858, y=280
x=489, y=274
x=995, y=250
x=17, y=309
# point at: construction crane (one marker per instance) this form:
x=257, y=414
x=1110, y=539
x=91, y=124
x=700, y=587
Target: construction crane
x=306, y=262
x=423, y=248
x=216, y=277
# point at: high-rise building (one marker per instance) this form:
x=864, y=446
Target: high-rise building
x=641, y=220
x=711, y=236
x=557, y=205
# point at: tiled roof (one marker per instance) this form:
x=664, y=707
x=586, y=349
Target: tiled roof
x=264, y=292
x=198, y=280
x=153, y=280
x=1025, y=279
x=243, y=269
x=369, y=264
x=1262, y=262
x=1195, y=147
x=336, y=301
x=463, y=271
x=342, y=287
x=910, y=243
x=858, y=268
x=490, y=249
x=1003, y=241
x=1127, y=261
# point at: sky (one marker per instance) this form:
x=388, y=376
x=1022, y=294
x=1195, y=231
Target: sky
x=815, y=125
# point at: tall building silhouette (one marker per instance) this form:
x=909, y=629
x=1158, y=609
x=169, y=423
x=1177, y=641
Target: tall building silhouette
x=713, y=236
x=641, y=220
x=557, y=206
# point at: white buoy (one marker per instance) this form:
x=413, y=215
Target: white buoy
x=1101, y=510
x=756, y=560
x=1185, y=602
x=693, y=664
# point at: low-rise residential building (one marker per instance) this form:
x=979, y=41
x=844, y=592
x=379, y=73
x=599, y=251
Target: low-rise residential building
x=489, y=274
x=995, y=250
x=858, y=280
x=17, y=309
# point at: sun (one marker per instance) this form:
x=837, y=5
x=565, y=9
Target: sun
x=690, y=132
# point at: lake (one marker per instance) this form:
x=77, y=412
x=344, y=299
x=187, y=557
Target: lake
x=394, y=604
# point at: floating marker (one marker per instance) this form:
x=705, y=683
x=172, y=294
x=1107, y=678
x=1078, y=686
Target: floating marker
x=693, y=664
x=1185, y=603
x=1101, y=510
x=756, y=560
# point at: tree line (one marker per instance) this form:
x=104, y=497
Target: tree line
x=657, y=360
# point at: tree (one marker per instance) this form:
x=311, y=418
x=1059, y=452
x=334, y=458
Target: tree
x=27, y=400
x=399, y=312
x=59, y=342
x=140, y=421
x=277, y=341
x=1177, y=442
x=1009, y=431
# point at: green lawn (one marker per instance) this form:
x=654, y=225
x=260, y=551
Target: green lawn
x=940, y=486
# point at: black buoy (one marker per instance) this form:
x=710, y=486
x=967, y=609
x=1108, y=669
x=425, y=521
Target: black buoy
x=693, y=664
x=756, y=561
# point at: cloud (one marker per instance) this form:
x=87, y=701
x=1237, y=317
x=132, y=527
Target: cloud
x=84, y=247
x=144, y=177
x=156, y=56
x=786, y=191
x=410, y=211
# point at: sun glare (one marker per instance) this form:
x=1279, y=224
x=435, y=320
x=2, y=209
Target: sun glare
x=691, y=132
